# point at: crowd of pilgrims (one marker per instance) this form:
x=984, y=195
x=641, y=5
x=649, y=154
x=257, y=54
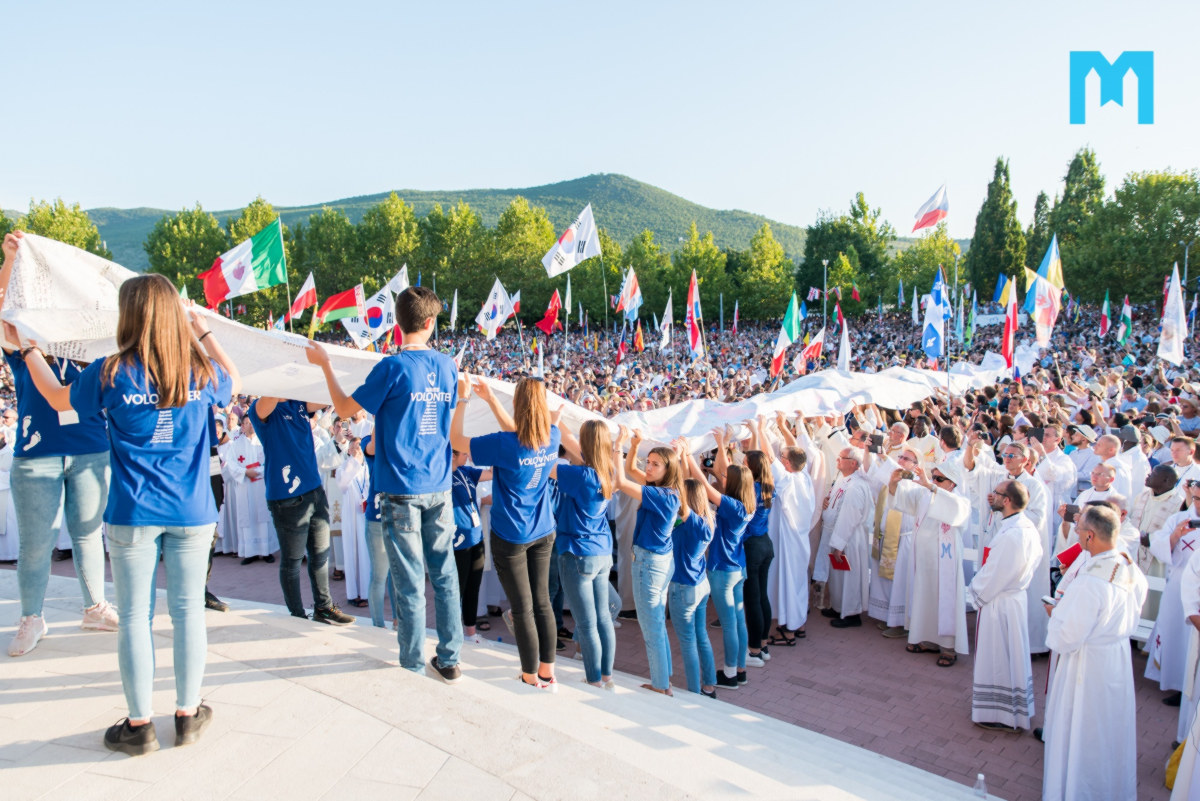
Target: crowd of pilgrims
x=1040, y=505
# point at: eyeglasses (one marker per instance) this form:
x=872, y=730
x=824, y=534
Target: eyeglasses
x=942, y=479
x=1011, y=456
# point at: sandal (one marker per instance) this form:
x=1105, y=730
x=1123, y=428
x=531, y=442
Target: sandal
x=946, y=660
x=783, y=638
x=483, y=625
x=800, y=634
x=918, y=648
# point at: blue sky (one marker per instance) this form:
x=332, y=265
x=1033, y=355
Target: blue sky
x=778, y=108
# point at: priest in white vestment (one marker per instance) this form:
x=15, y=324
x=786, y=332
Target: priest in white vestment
x=1174, y=544
x=353, y=479
x=985, y=474
x=848, y=519
x=1187, y=779
x=788, y=525
x=937, y=614
x=1150, y=510
x=1091, y=714
x=892, y=545
x=1002, y=692
x=1101, y=489
x=255, y=528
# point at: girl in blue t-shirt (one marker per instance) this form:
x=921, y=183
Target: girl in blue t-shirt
x=727, y=559
x=468, y=538
x=689, y=586
x=760, y=551
x=522, y=520
x=659, y=488
x=157, y=391
x=584, y=545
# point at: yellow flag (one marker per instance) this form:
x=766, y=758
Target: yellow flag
x=1009, y=284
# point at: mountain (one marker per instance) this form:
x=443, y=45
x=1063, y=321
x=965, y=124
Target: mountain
x=623, y=207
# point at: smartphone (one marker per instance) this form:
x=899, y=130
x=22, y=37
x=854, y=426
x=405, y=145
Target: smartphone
x=1193, y=524
x=1072, y=512
x=876, y=445
x=1048, y=601
x=708, y=463
x=1037, y=433
x=906, y=474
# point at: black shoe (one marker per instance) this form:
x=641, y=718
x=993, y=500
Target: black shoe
x=493, y=611
x=62, y=555
x=128, y=740
x=726, y=682
x=249, y=560
x=627, y=614
x=846, y=622
x=742, y=678
x=559, y=645
x=188, y=729
x=1174, y=745
x=333, y=616
x=450, y=675
x=711, y=693
x=214, y=603
x=828, y=613
x=1037, y=733
x=336, y=575
x=716, y=624
x=996, y=727
x=1174, y=699
x=565, y=633
x=269, y=559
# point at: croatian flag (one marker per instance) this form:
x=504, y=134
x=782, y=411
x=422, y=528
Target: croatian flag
x=934, y=210
x=630, y=297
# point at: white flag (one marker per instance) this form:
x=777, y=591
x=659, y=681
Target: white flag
x=496, y=309
x=399, y=282
x=1174, y=323
x=580, y=241
x=380, y=316
x=454, y=311
x=916, y=321
x=664, y=326
x=844, y=348
x=567, y=299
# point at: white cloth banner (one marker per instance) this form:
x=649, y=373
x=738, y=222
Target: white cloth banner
x=66, y=300
x=998, y=319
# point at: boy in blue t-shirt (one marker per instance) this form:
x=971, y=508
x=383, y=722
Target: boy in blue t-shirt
x=412, y=395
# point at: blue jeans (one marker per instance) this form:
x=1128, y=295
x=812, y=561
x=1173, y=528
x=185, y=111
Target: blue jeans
x=377, y=589
x=134, y=552
x=39, y=485
x=585, y=583
x=651, y=575
x=302, y=524
x=727, y=598
x=689, y=607
x=419, y=536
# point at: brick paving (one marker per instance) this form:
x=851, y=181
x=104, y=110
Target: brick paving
x=849, y=684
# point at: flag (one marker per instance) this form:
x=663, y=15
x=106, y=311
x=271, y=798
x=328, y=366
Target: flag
x=814, y=293
x=255, y=264
x=454, y=312
x=1050, y=269
x=516, y=304
x=549, y=322
x=837, y=290
x=418, y=277
x=1008, y=346
x=934, y=210
x=582, y=318
x=280, y=323
x=664, y=326
x=692, y=319
x=803, y=310
x=789, y=332
x=843, y=362
x=735, y=316
x=580, y=241
x=1105, y=324
x=270, y=319
x=812, y=348
x=1047, y=304
x=914, y=307
x=307, y=297
x=971, y=319
x=1010, y=289
x=1174, y=323
x=350, y=303
x=622, y=346
x=881, y=308
x=183, y=292
x=630, y=296
x=1126, y=324
x=241, y=309
x=941, y=295
x=840, y=320
x=1192, y=316
x=900, y=295
x=461, y=352
x=639, y=343
x=933, y=336
x=567, y=300
x=379, y=317
x=1001, y=281
x=853, y=291
x=496, y=309
x=399, y=281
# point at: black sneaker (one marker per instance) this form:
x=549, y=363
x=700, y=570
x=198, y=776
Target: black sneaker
x=559, y=645
x=450, y=675
x=726, y=682
x=188, y=729
x=742, y=678
x=269, y=559
x=627, y=614
x=128, y=740
x=214, y=603
x=711, y=693
x=333, y=616
x=564, y=633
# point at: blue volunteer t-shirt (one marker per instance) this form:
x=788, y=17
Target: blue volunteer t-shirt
x=690, y=539
x=655, y=519
x=582, y=513
x=39, y=432
x=468, y=527
x=727, y=551
x=289, y=454
x=412, y=396
x=159, y=457
x=521, y=505
x=372, y=493
x=758, y=523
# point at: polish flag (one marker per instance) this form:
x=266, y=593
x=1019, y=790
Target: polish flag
x=306, y=298
x=812, y=351
x=1009, y=342
x=934, y=210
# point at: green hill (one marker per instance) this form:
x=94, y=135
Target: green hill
x=622, y=206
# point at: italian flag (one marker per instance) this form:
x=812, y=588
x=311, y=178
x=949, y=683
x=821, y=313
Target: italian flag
x=1126, y=322
x=1105, y=322
x=306, y=298
x=351, y=303
x=255, y=264
x=789, y=332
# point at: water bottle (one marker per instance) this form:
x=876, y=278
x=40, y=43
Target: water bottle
x=980, y=787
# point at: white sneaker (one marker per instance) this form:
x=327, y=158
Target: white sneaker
x=101, y=617
x=507, y=617
x=754, y=661
x=766, y=655
x=31, y=630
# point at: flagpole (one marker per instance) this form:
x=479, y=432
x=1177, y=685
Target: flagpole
x=604, y=278
x=287, y=285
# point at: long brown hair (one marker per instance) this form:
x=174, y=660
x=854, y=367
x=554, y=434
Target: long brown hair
x=672, y=477
x=595, y=446
x=153, y=329
x=531, y=413
x=757, y=462
x=697, y=500
x=739, y=485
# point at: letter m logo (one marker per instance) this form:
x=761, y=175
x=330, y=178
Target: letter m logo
x=1112, y=77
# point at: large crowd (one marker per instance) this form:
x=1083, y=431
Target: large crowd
x=1048, y=506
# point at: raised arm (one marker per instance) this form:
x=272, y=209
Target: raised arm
x=458, y=440
x=631, y=467
x=721, y=462
x=265, y=406
x=764, y=444
x=499, y=412
x=11, y=242
x=208, y=342
x=785, y=431
x=623, y=481
x=714, y=497
x=569, y=441
x=343, y=404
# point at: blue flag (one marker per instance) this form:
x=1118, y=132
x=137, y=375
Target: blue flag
x=933, y=337
x=999, y=288
x=941, y=298
x=803, y=311
x=900, y=295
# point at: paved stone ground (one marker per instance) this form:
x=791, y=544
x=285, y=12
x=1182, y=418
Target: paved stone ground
x=850, y=684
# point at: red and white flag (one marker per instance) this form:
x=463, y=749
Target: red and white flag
x=692, y=320
x=812, y=351
x=934, y=210
x=1008, y=345
x=306, y=298
x=549, y=323
x=735, y=316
